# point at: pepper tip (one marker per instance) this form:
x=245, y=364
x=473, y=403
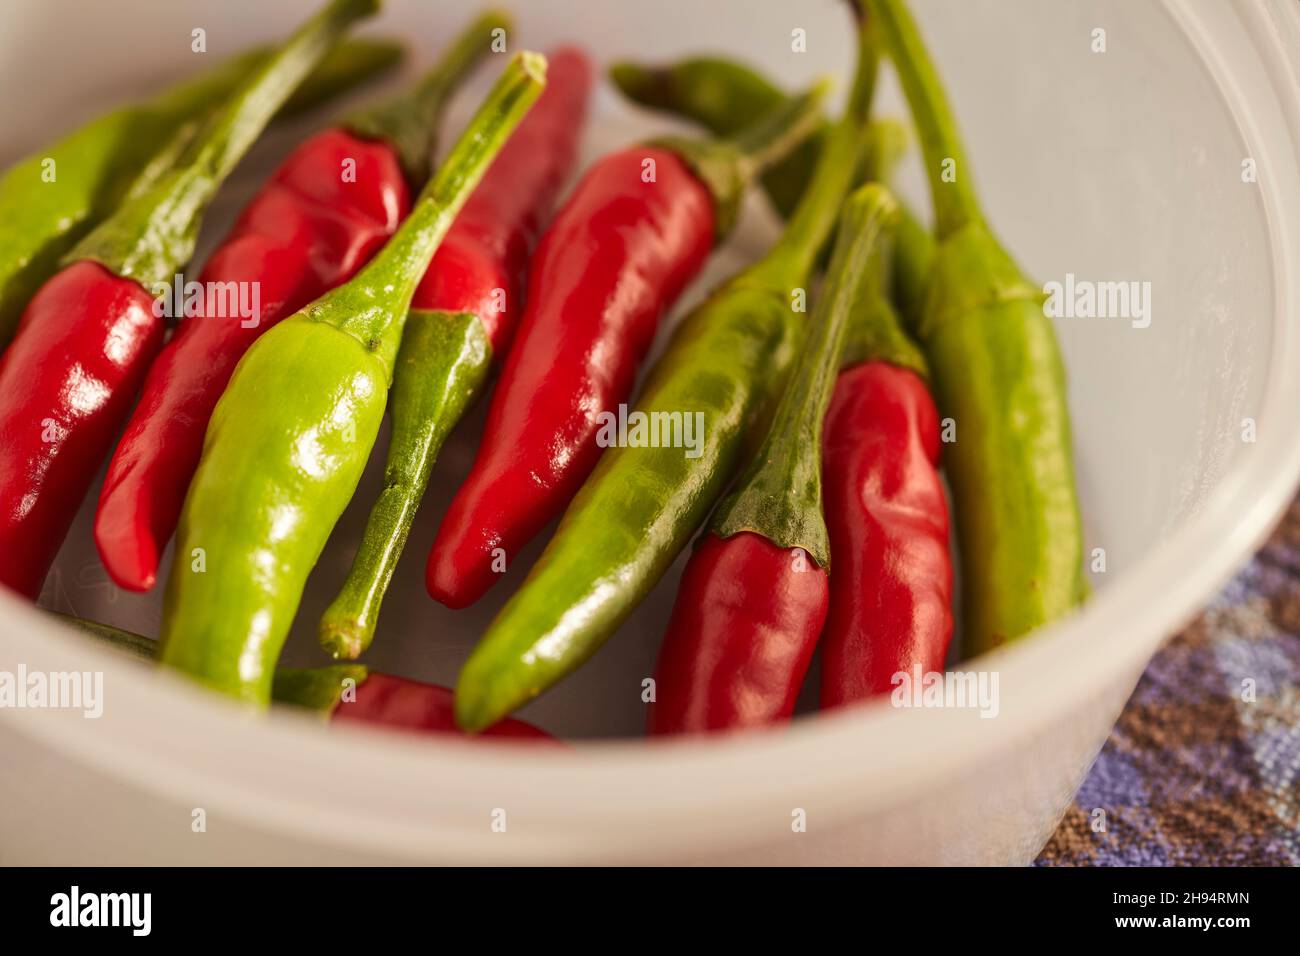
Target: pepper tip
x=470, y=711
x=533, y=65
x=343, y=640
x=477, y=702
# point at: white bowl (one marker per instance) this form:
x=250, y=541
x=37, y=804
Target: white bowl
x=1117, y=165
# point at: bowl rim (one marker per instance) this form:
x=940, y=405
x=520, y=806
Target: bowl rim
x=282, y=774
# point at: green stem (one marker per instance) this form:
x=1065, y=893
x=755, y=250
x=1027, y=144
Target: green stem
x=349, y=63
x=152, y=235
x=727, y=167
x=955, y=205
x=724, y=97
x=373, y=306
x=779, y=495
x=773, y=137
x=442, y=365
x=875, y=332
x=792, y=259
x=409, y=121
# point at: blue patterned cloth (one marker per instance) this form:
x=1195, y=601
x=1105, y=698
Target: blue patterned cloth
x=1203, y=767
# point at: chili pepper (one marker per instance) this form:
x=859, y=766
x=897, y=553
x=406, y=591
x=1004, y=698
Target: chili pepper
x=886, y=514
x=280, y=461
x=727, y=361
x=998, y=375
x=395, y=702
x=93, y=167
x=616, y=257
x=463, y=315
x=312, y=226
x=86, y=339
x=723, y=95
x=754, y=595
x=340, y=693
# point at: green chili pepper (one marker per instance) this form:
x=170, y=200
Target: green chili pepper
x=723, y=96
x=998, y=375
x=728, y=361
x=291, y=435
x=93, y=167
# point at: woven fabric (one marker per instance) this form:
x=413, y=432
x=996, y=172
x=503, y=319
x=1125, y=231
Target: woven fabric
x=1203, y=767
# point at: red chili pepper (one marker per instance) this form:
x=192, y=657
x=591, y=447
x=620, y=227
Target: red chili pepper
x=891, y=593
x=636, y=230
x=488, y=246
x=324, y=212
x=740, y=638
x=86, y=338
x=396, y=702
x=65, y=385
x=755, y=592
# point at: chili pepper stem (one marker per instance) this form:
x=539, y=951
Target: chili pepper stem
x=955, y=204
x=344, y=66
x=728, y=166
x=442, y=364
x=155, y=232
x=352, y=308
x=408, y=121
x=790, y=261
x=779, y=496
x=724, y=97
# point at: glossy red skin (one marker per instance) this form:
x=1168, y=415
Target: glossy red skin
x=740, y=639
x=409, y=705
x=305, y=232
x=891, y=571
x=617, y=256
x=492, y=238
x=71, y=373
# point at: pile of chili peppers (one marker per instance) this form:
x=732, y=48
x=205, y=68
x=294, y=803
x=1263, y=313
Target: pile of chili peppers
x=816, y=499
